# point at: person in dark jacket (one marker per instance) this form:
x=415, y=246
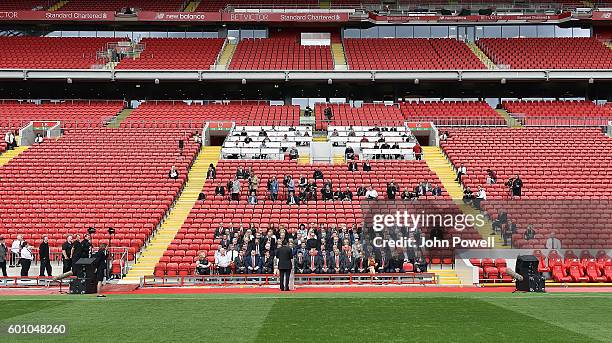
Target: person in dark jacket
x=101, y=265
x=45, y=258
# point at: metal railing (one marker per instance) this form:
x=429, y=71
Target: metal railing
x=300, y=279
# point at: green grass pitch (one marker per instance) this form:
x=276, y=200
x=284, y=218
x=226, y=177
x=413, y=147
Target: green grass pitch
x=316, y=317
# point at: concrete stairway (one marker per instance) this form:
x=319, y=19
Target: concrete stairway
x=8, y=155
x=226, y=55
x=446, y=277
x=437, y=162
x=192, y=6
x=120, y=118
x=482, y=56
x=58, y=5
x=339, y=56
x=511, y=121
x=145, y=265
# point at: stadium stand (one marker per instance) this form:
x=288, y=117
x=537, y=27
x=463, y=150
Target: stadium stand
x=547, y=53
x=177, y=53
x=94, y=178
x=409, y=54
x=181, y=114
x=24, y=5
x=249, y=142
x=115, y=5
x=280, y=53
x=51, y=52
x=559, y=113
x=15, y=114
x=366, y=115
x=452, y=112
x=574, y=195
x=198, y=232
x=218, y=5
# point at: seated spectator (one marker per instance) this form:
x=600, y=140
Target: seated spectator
x=300, y=263
x=220, y=190
x=392, y=190
x=292, y=199
x=481, y=196
x=420, y=265
x=197, y=139
x=252, y=199
x=444, y=136
x=327, y=192
x=201, y=196
x=347, y=195
x=351, y=132
x=328, y=113
x=349, y=263
x=529, y=233
x=173, y=173
x=262, y=133
x=308, y=111
x=366, y=166
x=267, y=263
x=202, y=265
x=240, y=263
x=468, y=195
x=9, y=139
x=364, y=139
x=318, y=174
x=335, y=133
x=223, y=261
x=361, y=191
x=502, y=219
x=352, y=166
x=243, y=132
x=491, y=177
x=371, y=194
x=375, y=128
x=553, y=243
x=293, y=153
x=253, y=263
x=211, y=174
x=38, y=139
x=349, y=153
x=436, y=191
x=462, y=170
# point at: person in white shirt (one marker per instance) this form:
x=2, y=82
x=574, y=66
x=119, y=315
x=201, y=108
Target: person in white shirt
x=222, y=261
x=553, y=242
x=462, y=170
x=16, y=250
x=39, y=139
x=9, y=139
x=173, y=174
x=26, y=258
x=481, y=195
x=371, y=194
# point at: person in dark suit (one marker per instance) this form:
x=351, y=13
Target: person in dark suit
x=517, y=186
x=267, y=263
x=253, y=263
x=336, y=261
x=240, y=263
x=101, y=265
x=313, y=262
x=349, y=263
x=384, y=263
x=45, y=258
x=361, y=263
x=285, y=263
x=77, y=248
x=300, y=263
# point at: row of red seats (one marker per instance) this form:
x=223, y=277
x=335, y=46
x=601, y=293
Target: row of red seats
x=366, y=115
x=452, y=112
x=115, y=5
x=29, y=52
x=181, y=114
x=556, y=166
x=547, y=53
x=55, y=188
x=14, y=115
x=280, y=53
x=175, y=53
x=409, y=54
x=559, y=113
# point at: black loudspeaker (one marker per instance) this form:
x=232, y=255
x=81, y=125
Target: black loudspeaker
x=465, y=12
x=485, y=11
x=446, y=12
x=527, y=267
x=85, y=269
x=83, y=286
